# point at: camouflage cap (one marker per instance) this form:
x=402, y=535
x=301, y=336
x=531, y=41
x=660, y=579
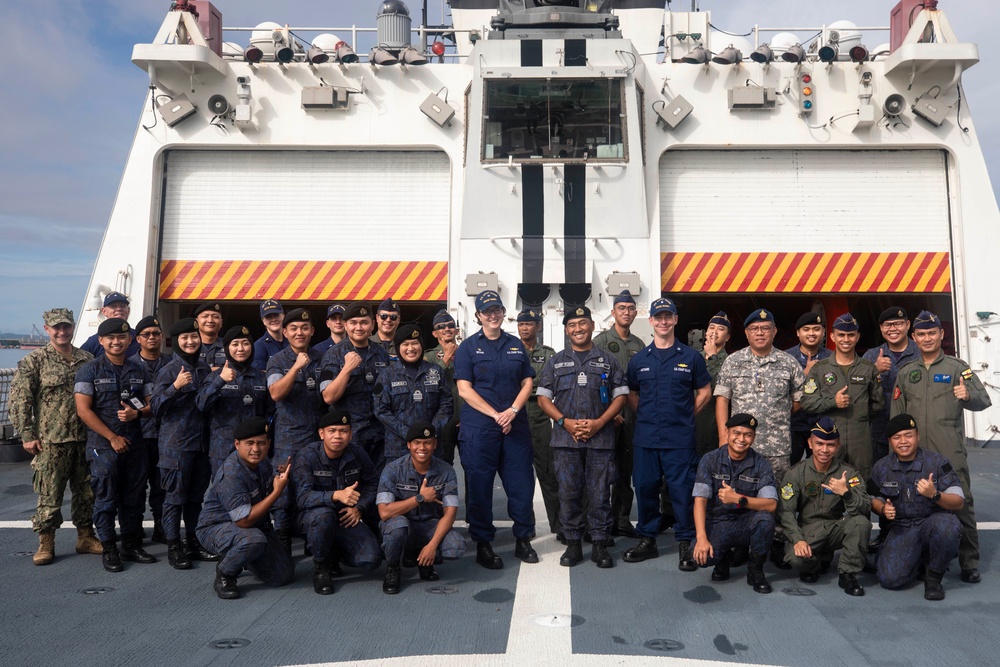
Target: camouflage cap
x=58, y=316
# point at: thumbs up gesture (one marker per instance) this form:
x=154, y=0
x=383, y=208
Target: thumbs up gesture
x=882, y=362
x=183, y=378
x=837, y=485
x=227, y=373
x=961, y=391
x=727, y=495
x=843, y=399
x=926, y=487
x=889, y=511
x=348, y=496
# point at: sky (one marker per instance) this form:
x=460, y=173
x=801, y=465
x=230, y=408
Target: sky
x=72, y=99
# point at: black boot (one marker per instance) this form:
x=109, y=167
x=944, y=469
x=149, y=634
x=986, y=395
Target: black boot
x=778, y=556
x=573, y=553
x=486, y=557
x=623, y=529
x=111, y=558
x=809, y=577
x=721, y=571
x=428, y=573
x=524, y=551
x=599, y=554
x=393, y=574
x=322, y=581
x=755, y=573
x=285, y=537
x=132, y=550
x=158, y=534
x=645, y=550
x=197, y=552
x=971, y=575
x=850, y=584
x=177, y=556
x=225, y=585
x=685, y=561
x=933, y=590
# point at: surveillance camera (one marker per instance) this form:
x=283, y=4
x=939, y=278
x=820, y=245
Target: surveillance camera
x=243, y=80
x=866, y=77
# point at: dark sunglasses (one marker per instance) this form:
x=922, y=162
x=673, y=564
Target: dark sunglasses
x=387, y=316
x=442, y=327
x=150, y=334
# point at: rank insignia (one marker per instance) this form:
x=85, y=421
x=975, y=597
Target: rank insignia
x=787, y=491
x=812, y=489
x=810, y=387
x=896, y=393
x=854, y=481
x=829, y=378
x=245, y=331
x=914, y=375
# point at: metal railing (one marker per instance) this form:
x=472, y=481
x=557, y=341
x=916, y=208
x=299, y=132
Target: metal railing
x=6, y=376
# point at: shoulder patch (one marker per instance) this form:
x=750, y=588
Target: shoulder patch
x=896, y=393
x=967, y=374
x=810, y=387
x=946, y=468
x=787, y=491
x=854, y=481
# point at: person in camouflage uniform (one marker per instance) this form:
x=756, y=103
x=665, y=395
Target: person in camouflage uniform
x=529, y=321
x=43, y=410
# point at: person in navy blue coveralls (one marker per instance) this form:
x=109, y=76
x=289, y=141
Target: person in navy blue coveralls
x=230, y=394
x=418, y=502
x=235, y=522
x=293, y=381
x=209, y=318
x=115, y=305
x=273, y=341
x=735, y=496
x=410, y=390
x=112, y=393
x=494, y=377
x=335, y=484
x=335, y=323
x=185, y=472
x=348, y=379
x=670, y=384
x=918, y=495
x=150, y=335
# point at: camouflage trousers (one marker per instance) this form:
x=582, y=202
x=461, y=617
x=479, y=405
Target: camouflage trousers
x=541, y=445
x=53, y=467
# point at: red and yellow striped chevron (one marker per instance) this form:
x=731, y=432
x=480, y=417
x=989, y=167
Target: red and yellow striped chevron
x=806, y=272
x=233, y=280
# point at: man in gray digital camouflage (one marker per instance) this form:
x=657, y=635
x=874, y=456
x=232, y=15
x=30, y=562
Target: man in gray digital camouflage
x=43, y=410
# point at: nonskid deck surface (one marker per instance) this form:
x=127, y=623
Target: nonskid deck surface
x=527, y=615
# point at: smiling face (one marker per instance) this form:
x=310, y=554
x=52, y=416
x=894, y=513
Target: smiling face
x=717, y=335
x=929, y=340
x=410, y=350
x=61, y=334
x=189, y=343
x=358, y=330
x=492, y=318
x=240, y=349
x=421, y=450
x=823, y=451
x=846, y=341
x=580, y=331
x=895, y=331
x=119, y=309
x=298, y=335
x=810, y=335
x=904, y=444
x=209, y=322
x=272, y=322
x=663, y=324
x=445, y=332
x=388, y=322
x=115, y=344
x=739, y=439
x=760, y=336
x=336, y=324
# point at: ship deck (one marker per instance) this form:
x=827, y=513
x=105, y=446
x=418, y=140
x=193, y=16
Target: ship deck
x=544, y=614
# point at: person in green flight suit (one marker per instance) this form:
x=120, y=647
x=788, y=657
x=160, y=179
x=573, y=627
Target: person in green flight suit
x=716, y=336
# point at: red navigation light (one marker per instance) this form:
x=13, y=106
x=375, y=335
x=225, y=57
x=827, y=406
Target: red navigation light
x=437, y=48
x=807, y=78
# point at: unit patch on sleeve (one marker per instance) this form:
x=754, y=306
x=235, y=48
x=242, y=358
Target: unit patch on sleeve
x=787, y=491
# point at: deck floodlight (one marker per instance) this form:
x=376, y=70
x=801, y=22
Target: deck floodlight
x=696, y=56
x=762, y=55
x=729, y=56
x=345, y=54
x=316, y=56
x=383, y=56
x=859, y=53
x=253, y=54
x=794, y=54
x=829, y=52
x=410, y=56
x=284, y=54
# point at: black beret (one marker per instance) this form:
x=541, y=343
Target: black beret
x=806, y=319
x=248, y=428
x=421, y=429
x=146, y=323
x=113, y=325
x=357, y=310
x=234, y=333
x=825, y=429
x=296, y=315
x=901, y=422
x=183, y=326
x=407, y=332
x=742, y=419
x=335, y=418
x=575, y=313
x=208, y=305
x=893, y=313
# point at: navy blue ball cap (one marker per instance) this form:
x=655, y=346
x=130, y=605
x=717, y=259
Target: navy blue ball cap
x=762, y=315
x=115, y=297
x=113, y=325
x=901, y=422
x=662, y=305
x=926, y=320
x=825, y=429
x=250, y=427
x=270, y=307
x=420, y=430
x=845, y=322
x=487, y=299
x=335, y=309
x=624, y=297
x=742, y=419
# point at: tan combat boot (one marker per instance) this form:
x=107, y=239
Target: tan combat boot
x=46, y=548
x=87, y=542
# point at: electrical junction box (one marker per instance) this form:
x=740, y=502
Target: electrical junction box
x=751, y=98
x=477, y=282
x=931, y=109
x=325, y=97
x=674, y=112
x=175, y=110
x=438, y=110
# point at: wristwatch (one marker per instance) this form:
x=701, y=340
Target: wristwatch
x=561, y=421
x=742, y=502
x=936, y=497
x=514, y=409
x=419, y=498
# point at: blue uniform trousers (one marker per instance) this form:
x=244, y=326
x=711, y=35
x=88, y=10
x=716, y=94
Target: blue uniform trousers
x=585, y=477
x=355, y=546
x=257, y=550
x=119, y=485
x=399, y=534
x=677, y=467
x=156, y=492
x=486, y=453
x=935, y=537
x=185, y=477
x=753, y=529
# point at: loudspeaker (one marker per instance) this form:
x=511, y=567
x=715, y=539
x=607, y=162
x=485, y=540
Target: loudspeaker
x=218, y=105
x=893, y=105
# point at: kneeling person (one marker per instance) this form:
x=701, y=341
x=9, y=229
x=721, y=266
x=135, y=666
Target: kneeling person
x=920, y=510
x=418, y=502
x=832, y=505
x=235, y=521
x=335, y=485
x=734, y=501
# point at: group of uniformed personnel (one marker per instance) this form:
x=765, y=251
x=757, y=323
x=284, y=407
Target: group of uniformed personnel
x=364, y=426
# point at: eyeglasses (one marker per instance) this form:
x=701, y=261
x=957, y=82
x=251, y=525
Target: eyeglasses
x=387, y=316
x=150, y=334
x=495, y=311
x=442, y=327
x=899, y=324
x=764, y=328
